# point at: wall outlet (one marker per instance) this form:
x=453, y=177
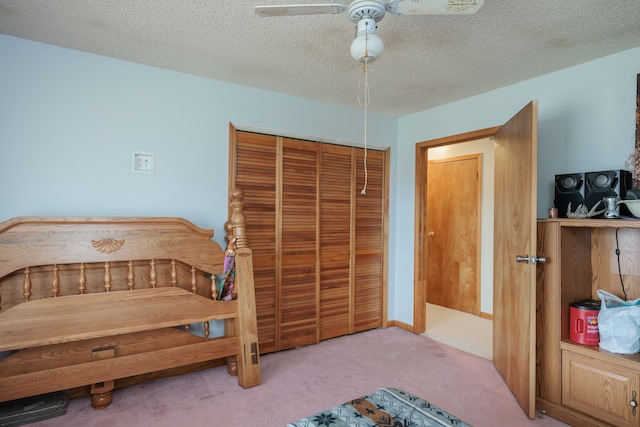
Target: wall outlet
x=143, y=162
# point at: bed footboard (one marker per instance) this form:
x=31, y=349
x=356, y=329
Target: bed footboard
x=87, y=301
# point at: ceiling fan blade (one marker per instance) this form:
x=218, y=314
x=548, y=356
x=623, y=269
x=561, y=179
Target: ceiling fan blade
x=300, y=9
x=433, y=7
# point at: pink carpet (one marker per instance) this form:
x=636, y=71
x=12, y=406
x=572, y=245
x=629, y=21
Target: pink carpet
x=303, y=381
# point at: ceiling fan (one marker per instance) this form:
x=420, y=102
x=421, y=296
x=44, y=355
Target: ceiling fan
x=367, y=46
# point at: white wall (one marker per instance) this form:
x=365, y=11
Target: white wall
x=586, y=123
x=70, y=122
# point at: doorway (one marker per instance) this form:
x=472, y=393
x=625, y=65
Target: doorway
x=469, y=332
x=453, y=224
x=458, y=145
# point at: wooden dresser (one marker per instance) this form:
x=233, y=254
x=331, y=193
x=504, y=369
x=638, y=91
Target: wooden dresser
x=579, y=384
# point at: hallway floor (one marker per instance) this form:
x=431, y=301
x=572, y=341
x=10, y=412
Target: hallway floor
x=461, y=330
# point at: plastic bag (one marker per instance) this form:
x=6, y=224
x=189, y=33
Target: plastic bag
x=619, y=324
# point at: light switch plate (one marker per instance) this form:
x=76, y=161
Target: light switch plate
x=143, y=162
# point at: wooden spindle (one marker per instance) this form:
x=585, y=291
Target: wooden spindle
x=194, y=288
x=82, y=279
x=194, y=280
x=174, y=274
x=131, y=276
x=107, y=277
x=26, y=284
x=206, y=329
x=235, y=225
x=153, y=277
x=238, y=220
x=214, y=288
x=228, y=237
x=55, y=281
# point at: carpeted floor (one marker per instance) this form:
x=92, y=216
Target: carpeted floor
x=303, y=381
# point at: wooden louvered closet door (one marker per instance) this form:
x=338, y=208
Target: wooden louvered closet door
x=298, y=246
x=256, y=159
x=369, y=244
x=319, y=245
x=336, y=223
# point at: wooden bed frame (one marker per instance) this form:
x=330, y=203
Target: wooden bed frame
x=88, y=301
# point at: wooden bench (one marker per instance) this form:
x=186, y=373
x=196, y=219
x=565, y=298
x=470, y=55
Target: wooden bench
x=86, y=302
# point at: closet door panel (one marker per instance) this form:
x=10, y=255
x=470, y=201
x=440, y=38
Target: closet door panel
x=318, y=244
x=369, y=243
x=336, y=221
x=255, y=173
x=298, y=286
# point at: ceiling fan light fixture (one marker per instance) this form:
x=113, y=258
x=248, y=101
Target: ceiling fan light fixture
x=367, y=46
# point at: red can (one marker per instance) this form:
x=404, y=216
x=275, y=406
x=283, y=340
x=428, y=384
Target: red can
x=583, y=316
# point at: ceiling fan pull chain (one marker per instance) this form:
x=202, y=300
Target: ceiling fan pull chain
x=366, y=103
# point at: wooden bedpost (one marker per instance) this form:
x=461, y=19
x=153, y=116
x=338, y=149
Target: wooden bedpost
x=229, y=325
x=246, y=324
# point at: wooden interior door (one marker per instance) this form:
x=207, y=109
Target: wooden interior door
x=514, y=292
x=453, y=224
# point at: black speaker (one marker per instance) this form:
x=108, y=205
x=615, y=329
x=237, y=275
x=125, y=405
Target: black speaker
x=569, y=190
x=613, y=183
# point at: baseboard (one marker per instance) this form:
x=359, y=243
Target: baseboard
x=400, y=325
x=488, y=316
x=565, y=415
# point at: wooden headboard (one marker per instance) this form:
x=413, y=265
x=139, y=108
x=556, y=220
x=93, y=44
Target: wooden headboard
x=54, y=256
x=136, y=322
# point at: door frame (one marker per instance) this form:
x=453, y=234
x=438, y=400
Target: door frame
x=419, y=271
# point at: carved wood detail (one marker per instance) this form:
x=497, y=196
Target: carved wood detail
x=238, y=219
x=108, y=245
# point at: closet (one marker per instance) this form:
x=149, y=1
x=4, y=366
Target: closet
x=319, y=244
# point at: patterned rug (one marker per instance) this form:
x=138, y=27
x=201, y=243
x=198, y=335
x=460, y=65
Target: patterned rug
x=386, y=407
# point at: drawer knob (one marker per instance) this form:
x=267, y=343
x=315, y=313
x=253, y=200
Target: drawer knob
x=633, y=402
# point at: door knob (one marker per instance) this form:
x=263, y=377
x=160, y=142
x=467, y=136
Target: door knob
x=431, y=234
x=533, y=259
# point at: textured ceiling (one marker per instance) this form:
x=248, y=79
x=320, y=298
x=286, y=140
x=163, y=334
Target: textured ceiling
x=429, y=60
